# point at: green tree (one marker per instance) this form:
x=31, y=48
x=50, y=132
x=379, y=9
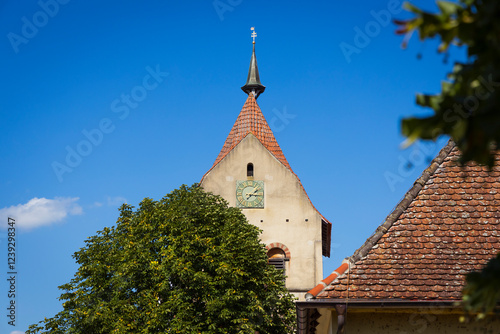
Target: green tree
x=468, y=107
x=185, y=264
x=482, y=292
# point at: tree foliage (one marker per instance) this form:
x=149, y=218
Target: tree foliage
x=468, y=107
x=482, y=292
x=185, y=264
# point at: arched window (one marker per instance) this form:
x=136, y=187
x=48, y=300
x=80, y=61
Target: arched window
x=250, y=169
x=277, y=258
x=277, y=255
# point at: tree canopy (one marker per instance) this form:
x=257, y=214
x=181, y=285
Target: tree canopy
x=468, y=107
x=185, y=264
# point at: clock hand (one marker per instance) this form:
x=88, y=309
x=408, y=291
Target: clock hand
x=252, y=193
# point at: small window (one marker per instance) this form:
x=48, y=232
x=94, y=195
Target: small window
x=250, y=169
x=276, y=257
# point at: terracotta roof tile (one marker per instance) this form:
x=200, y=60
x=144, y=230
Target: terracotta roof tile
x=446, y=226
x=251, y=120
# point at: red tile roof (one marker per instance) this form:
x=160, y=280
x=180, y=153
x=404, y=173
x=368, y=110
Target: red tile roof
x=251, y=120
x=446, y=226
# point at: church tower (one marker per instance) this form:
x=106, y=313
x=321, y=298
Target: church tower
x=252, y=173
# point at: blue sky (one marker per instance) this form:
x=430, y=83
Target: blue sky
x=110, y=102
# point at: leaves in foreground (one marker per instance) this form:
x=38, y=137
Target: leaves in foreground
x=468, y=107
x=482, y=292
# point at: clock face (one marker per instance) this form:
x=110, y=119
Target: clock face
x=250, y=194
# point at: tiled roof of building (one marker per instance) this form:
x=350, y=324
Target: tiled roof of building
x=251, y=120
x=446, y=226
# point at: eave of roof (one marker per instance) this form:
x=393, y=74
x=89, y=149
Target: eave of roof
x=370, y=303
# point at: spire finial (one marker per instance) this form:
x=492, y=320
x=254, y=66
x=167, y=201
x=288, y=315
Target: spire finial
x=253, y=85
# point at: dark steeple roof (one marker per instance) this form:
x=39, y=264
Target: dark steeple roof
x=253, y=81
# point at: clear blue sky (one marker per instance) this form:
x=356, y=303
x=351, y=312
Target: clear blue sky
x=67, y=71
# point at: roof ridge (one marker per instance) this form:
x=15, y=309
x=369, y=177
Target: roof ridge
x=403, y=204
x=387, y=223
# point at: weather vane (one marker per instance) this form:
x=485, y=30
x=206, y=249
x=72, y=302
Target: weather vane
x=254, y=34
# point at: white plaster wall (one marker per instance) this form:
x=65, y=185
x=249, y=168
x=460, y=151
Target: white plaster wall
x=284, y=199
x=416, y=321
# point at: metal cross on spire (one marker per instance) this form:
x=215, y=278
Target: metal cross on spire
x=254, y=34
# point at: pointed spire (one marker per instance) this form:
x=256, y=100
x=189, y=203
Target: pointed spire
x=253, y=84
